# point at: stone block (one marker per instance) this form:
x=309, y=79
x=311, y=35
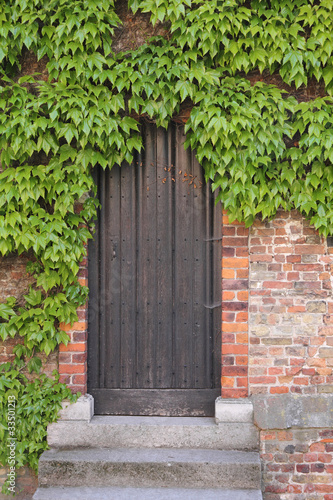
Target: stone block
x=326, y=352
x=233, y=410
x=82, y=409
x=260, y=330
x=293, y=410
x=316, y=306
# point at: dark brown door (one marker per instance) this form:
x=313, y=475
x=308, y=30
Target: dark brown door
x=155, y=285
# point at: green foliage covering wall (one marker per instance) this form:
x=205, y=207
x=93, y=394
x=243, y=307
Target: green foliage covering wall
x=261, y=147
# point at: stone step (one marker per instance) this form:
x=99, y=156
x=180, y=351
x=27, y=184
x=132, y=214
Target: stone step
x=144, y=494
x=155, y=468
x=153, y=432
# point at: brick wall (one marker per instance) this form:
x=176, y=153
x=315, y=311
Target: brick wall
x=291, y=308
x=73, y=357
x=297, y=464
x=14, y=281
x=291, y=354
x=235, y=274
x=26, y=484
x=277, y=323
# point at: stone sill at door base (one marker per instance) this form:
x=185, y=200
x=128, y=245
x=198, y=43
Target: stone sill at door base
x=226, y=410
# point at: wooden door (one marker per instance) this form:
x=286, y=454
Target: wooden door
x=155, y=285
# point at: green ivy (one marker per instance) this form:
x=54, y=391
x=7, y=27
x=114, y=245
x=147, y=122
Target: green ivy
x=262, y=149
x=36, y=404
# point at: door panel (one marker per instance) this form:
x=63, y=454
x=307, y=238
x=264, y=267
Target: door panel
x=155, y=285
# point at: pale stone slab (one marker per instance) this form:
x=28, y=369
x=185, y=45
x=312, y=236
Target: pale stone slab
x=82, y=409
x=283, y=411
x=144, y=494
x=150, y=468
x=154, y=432
x=233, y=410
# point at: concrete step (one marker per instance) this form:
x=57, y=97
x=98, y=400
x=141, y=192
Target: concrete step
x=155, y=468
x=144, y=494
x=153, y=432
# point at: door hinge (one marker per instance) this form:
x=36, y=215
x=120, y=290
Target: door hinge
x=213, y=306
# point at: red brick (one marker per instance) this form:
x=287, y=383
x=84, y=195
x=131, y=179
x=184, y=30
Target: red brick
x=325, y=458
x=324, y=488
x=79, y=358
x=78, y=326
x=64, y=379
x=293, y=276
x=242, y=273
x=242, y=317
x=234, y=284
x=278, y=284
x=227, y=360
x=309, y=249
x=228, y=338
x=79, y=336
x=284, y=249
x=319, y=447
x=296, y=309
x=261, y=258
x=287, y=467
x=242, y=382
x=242, y=338
x=228, y=274
x=65, y=357
x=234, y=393
x=234, y=349
x=310, y=457
x=280, y=241
x=242, y=252
x=79, y=379
x=275, y=370
x=272, y=488
x=235, y=371
x=228, y=316
x=82, y=315
x=228, y=252
x=284, y=435
x=234, y=263
x=318, y=468
x=79, y=346
x=242, y=360
x=242, y=231
x=69, y=368
x=303, y=468
x=228, y=231
x=234, y=328
x=243, y=295
x=258, y=249
x=308, y=267
x=301, y=381
x=235, y=242
x=234, y=306
x=262, y=380
x=227, y=381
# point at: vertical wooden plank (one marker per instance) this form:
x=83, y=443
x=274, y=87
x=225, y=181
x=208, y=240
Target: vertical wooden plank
x=127, y=259
x=94, y=297
x=199, y=271
x=102, y=325
x=216, y=286
x=113, y=270
x=147, y=263
x=183, y=272
x=164, y=262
